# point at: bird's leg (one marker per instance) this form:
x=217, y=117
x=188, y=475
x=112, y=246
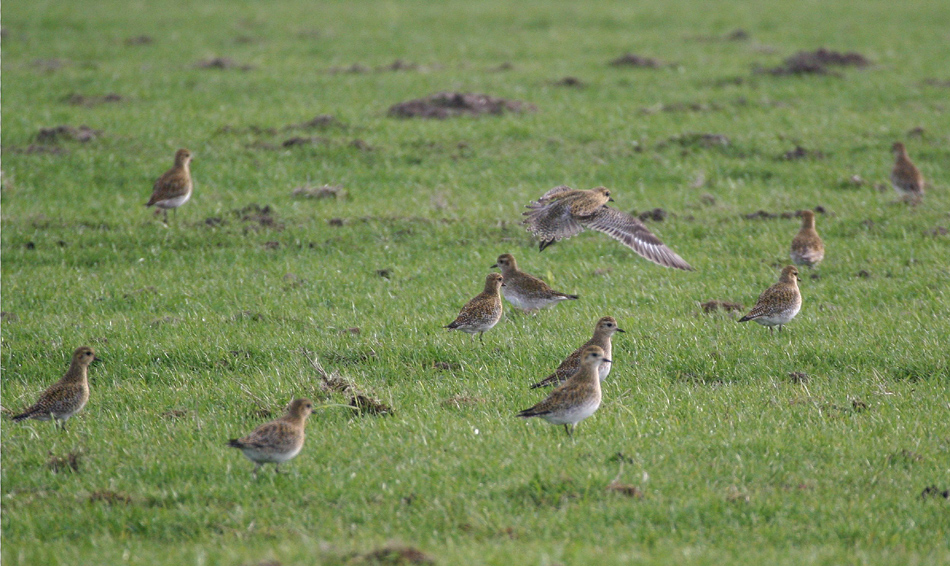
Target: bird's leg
x=277, y=469
x=165, y=217
x=481, y=337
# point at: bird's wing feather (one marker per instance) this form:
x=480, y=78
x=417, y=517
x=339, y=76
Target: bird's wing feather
x=633, y=234
x=551, y=220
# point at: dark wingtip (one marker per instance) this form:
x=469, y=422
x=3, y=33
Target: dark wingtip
x=744, y=319
x=235, y=443
x=573, y=297
x=544, y=244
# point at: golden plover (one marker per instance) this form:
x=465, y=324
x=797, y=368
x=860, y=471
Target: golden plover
x=174, y=187
x=563, y=212
x=484, y=311
x=778, y=304
x=807, y=247
x=525, y=291
x=906, y=178
x=577, y=398
x=277, y=441
x=605, y=328
x=67, y=396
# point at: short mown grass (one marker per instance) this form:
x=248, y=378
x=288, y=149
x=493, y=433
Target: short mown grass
x=729, y=445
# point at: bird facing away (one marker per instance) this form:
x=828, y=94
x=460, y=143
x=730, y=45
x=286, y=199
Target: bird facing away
x=174, y=187
x=605, y=328
x=906, y=178
x=778, y=304
x=67, y=396
x=807, y=247
x=577, y=398
x=277, y=441
x=483, y=312
x=525, y=291
x=563, y=212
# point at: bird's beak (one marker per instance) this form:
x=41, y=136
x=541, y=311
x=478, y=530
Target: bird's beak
x=621, y=330
x=606, y=360
x=96, y=359
x=503, y=284
x=610, y=199
x=494, y=266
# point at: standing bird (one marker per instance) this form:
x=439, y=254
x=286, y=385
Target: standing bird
x=67, y=396
x=483, y=312
x=563, y=212
x=174, y=187
x=605, y=328
x=807, y=247
x=277, y=441
x=778, y=304
x=525, y=291
x=576, y=399
x=906, y=178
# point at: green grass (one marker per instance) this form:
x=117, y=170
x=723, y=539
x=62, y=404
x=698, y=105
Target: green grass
x=214, y=321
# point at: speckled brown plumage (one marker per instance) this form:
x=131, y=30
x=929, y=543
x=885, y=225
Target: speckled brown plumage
x=778, y=304
x=603, y=331
x=483, y=312
x=807, y=247
x=174, y=187
x=526, y=291
x=577, y=398
x=277, y=441
x=67, y=396
x=563, y=212
x=906, y=178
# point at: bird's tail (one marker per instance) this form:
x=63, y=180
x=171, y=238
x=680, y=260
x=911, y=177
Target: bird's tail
x=550, y=380
x=746, y=318
x=24, y=415
x=532, y=412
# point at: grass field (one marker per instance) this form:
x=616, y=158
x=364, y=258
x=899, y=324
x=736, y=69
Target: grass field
x=208, y=325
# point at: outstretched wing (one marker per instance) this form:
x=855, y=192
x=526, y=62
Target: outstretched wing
x=633, y=234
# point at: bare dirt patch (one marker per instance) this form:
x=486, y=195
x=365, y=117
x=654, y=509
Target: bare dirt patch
x=798, y=377
x=7, y=316
x=934, y=492
x=655, y=215
x=937, y=83
x=109, y=497
x=681, y=107
x=392, y=554
x=765, y=215
x=222, y=63
x=89, y=101
x=801, y=153
x=67, y=463
x=301, y=140
x=57, y=134
x=326, y=191
x=139, y=40
x=572, y=82
x=937, y=231
x=726, y=306
x=633, y=60
x=627, y=489
x=361, y=401
x=449, y=104
x=257, y=216
x=817, y=63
